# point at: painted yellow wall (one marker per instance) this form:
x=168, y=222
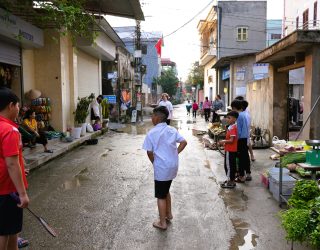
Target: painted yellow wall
x=208, y=71
x=28, y=70
x=47, y=64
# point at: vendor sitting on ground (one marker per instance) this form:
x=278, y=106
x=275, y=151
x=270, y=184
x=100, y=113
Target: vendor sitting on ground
x=31, y=126
x=97, y=125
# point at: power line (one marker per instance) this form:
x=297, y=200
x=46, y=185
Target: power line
x=190, y=19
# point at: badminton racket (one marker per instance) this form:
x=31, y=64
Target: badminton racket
x=49, y=229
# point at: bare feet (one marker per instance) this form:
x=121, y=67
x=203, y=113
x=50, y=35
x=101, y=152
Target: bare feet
x=169, y=217
x=159, y=225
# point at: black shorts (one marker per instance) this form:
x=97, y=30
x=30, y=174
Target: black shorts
x=161, y=189
x=11, y=216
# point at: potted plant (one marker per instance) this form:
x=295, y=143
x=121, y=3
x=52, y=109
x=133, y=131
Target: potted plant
x=82, y=112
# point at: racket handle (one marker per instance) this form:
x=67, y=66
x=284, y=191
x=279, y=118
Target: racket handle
x=15, y=197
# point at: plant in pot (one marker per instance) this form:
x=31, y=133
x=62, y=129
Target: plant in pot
x=81, y=114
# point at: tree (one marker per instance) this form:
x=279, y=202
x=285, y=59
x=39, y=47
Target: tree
x=196, y=75
x=65, y=16
x=168, y=81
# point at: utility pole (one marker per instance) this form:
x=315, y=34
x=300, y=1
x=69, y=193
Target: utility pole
x=138, y=56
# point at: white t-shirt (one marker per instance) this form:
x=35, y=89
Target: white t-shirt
x=169, y=106
x=162, y=141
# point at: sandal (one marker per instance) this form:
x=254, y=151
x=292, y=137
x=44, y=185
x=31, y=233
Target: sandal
x=22, y=242
x=239, y=180
x=228, y=185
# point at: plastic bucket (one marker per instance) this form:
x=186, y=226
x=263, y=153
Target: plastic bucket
x=76, y=133
x=83, y=129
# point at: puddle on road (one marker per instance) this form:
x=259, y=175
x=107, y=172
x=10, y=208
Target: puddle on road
x=77, y=181
x=105, y=153
x=234, y=199
x=207, y=164
x=245, y=238
x=136, y=129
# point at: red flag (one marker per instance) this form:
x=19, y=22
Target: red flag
x=158, y=46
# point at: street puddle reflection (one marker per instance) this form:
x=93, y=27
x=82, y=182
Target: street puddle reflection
x=234, y=199
x=245, y=238
x=136, y=129
x=76, y=181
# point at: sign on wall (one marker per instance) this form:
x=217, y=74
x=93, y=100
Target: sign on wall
x=111, y=98
x=260, y=71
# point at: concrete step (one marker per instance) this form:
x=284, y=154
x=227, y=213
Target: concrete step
x=36, y=157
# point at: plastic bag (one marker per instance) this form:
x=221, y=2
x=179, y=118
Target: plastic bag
x=89, y=128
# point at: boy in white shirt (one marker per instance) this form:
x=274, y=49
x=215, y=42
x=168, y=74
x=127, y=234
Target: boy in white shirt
x=161, y=146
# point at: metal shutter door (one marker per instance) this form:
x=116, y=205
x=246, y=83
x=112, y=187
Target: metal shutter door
x=10, y=53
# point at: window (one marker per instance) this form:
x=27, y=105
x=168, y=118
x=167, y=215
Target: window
x=242, y=34
x=275, y=36
x=315, y=12
x=297, y=22
x=305, y=19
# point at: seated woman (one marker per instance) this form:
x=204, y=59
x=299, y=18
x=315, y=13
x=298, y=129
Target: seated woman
x=31, y=126
x=97, y=125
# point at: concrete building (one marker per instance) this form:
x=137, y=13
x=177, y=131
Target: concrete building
x=300, y=14
x=63, y=71
x=149, y=55
x=274, y=31
x=293, y=71
x=231, y=28
x=208, y=52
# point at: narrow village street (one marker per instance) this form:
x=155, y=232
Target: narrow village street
x=102, y=197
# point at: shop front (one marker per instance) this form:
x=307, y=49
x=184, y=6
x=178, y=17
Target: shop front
x=16, y=35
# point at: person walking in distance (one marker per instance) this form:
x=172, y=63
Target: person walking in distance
x=206, y=108
x=195, y=108
x=161, y=146
x=12, y=173
x=166, y=103
x=188, y=107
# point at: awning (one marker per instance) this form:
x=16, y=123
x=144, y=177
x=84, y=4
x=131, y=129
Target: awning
x=297, y=42
x=122, y=8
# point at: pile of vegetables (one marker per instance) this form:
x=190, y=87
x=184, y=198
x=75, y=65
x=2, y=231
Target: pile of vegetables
x=302, y=220
x=292, y=158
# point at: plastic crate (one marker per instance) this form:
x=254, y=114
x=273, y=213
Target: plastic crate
x=288, y=184
x=264, y=180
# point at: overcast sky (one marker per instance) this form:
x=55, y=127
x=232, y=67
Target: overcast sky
x=166, y=16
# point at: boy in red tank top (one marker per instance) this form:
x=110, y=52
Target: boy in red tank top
x=231, y=148
x=12, y=175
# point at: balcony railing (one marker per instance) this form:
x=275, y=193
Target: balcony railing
x=208, y=51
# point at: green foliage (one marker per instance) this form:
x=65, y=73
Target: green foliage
x=296, y=223
x=305, y=190
x=168, y=81
x=293, y=158
x=65, y=16
x=82, y=110
x=302, y=220
x=196, y=75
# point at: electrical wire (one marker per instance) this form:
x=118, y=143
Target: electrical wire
x=202, y=10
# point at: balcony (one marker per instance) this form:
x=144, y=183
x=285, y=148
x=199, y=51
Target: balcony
x=207, y=54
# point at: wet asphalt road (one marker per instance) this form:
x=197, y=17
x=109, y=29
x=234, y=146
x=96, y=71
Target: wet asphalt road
x=102, y=197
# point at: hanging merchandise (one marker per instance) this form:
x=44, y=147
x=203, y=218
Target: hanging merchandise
x=42, y=108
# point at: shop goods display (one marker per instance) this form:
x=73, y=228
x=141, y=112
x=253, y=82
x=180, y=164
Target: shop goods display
x=292, y=158
x=302, y=220
x=42, y=108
